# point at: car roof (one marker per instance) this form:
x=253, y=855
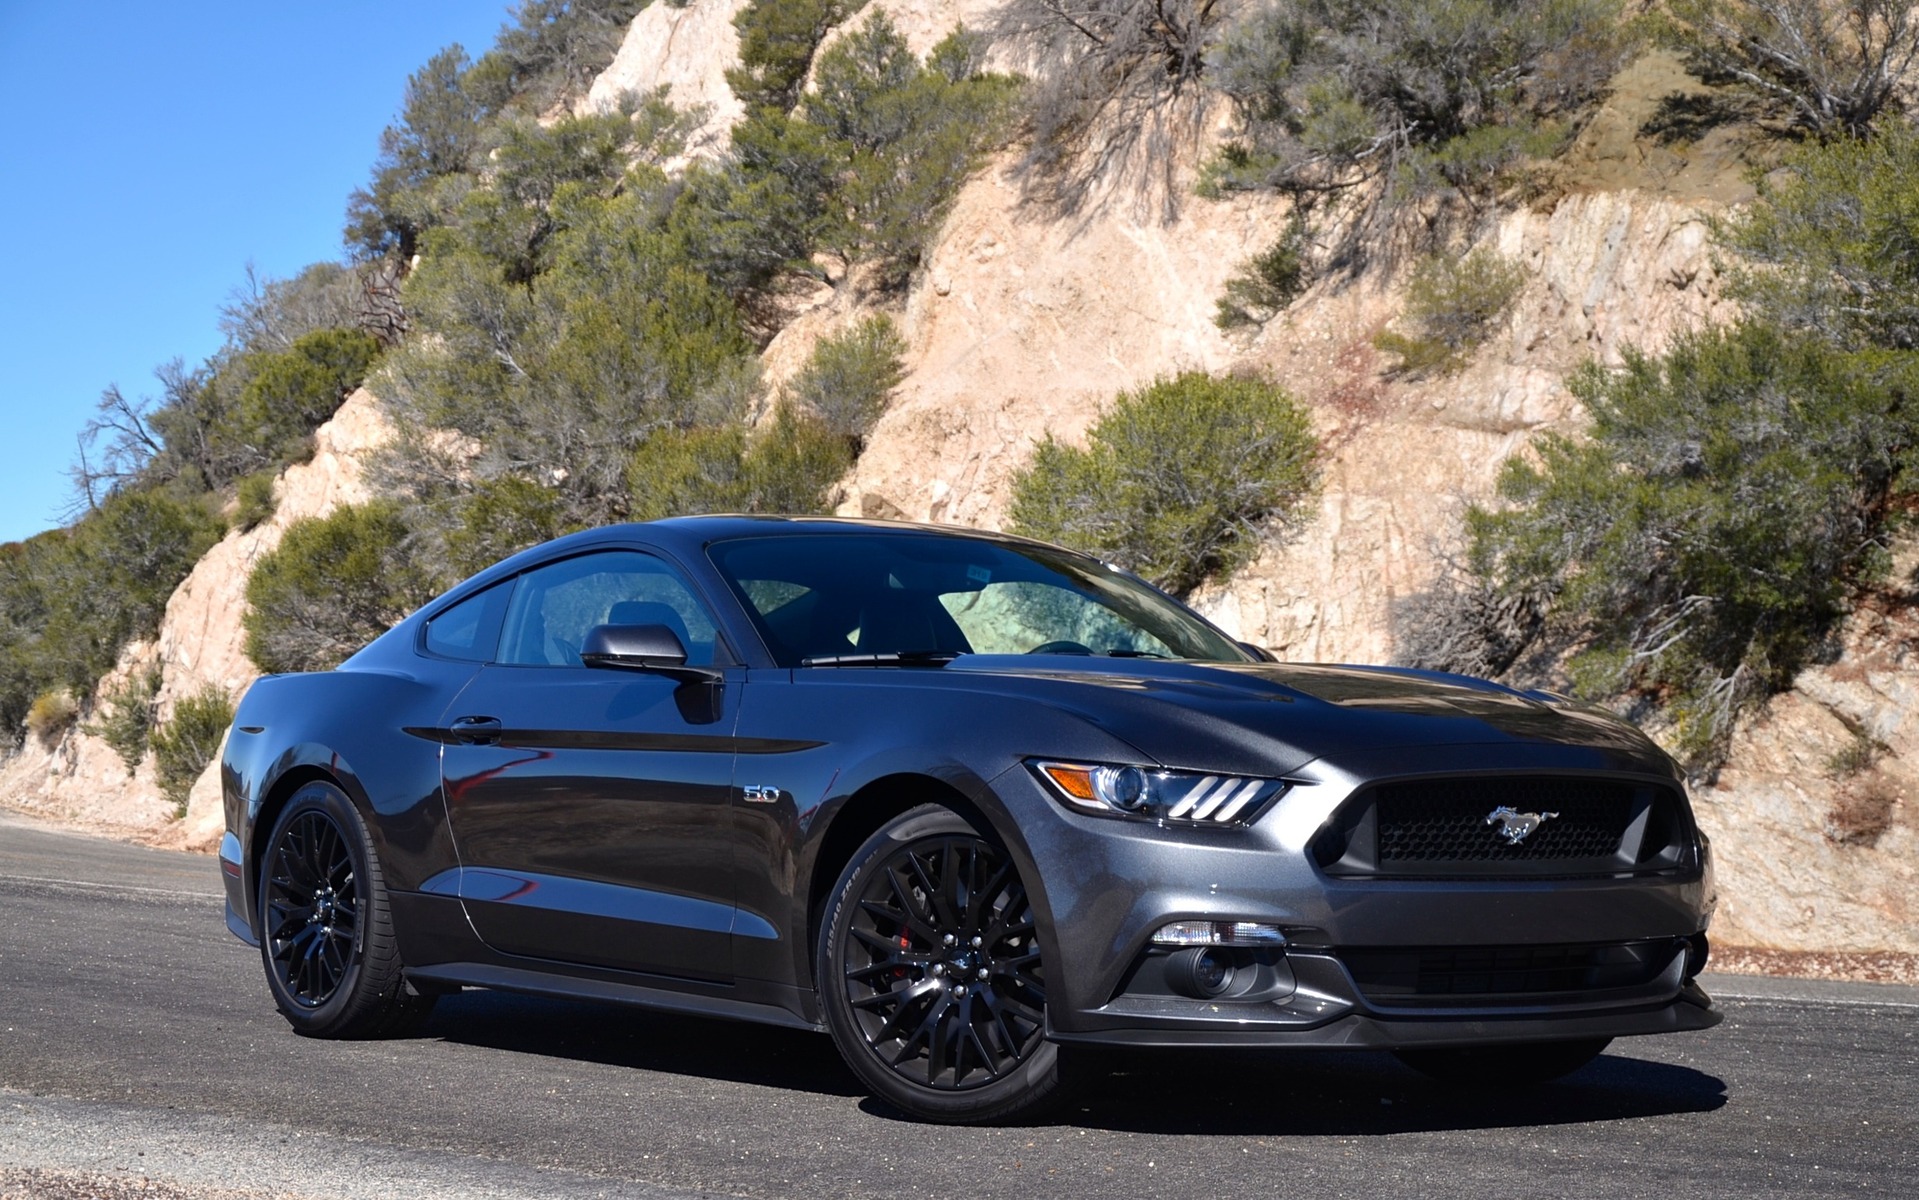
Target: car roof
x=689, y=536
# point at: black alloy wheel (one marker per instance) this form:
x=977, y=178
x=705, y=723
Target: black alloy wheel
x=932, y=977
x=326, y=933
x=312, y=908
x=1519, y=1065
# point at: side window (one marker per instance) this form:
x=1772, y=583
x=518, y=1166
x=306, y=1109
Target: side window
x=554, y=606
x=470, y=629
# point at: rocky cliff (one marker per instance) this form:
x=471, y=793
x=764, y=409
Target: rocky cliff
x=1022, y=323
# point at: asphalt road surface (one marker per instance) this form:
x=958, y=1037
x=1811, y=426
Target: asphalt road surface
x=138, y=1048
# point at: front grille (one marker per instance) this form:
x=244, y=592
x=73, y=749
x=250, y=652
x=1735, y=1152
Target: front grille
x=1445, y=820
x=1469, y=974
x=1457, y=827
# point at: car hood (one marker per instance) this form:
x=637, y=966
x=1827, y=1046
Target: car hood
x=1276, y=717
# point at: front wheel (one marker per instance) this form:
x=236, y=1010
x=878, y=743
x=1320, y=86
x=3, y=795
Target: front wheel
x=332, y=960
x=931, y=976
x=1520, y=1065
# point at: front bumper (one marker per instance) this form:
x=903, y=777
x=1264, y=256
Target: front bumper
x=1106, y=885
x=1326, y=1011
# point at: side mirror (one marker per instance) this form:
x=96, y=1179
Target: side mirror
x=653, y=648
x=1259, y=652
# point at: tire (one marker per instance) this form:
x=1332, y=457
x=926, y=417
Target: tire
x=326, y=931
x=936, y=1023
x=1519, y=1065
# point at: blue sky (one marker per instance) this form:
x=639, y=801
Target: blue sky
x=152, y=151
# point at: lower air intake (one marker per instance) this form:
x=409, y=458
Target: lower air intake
x=1505, y=974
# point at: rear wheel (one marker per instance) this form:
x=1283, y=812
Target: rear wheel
x=931, y=976
x=1504, y=1066
x=327, y=941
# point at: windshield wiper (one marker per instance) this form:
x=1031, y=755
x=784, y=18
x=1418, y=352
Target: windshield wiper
x=891, y=658
x=1131, y=654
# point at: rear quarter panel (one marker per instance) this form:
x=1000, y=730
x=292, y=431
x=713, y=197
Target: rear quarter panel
x=371, y=733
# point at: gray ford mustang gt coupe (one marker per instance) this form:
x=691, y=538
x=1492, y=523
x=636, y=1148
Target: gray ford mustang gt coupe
x=961, y=800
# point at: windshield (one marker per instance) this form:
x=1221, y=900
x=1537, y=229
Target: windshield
x=848, y=596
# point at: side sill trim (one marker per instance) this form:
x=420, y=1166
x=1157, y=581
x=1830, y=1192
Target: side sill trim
x=541, y=983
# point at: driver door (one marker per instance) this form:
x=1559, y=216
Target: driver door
x=588, y=805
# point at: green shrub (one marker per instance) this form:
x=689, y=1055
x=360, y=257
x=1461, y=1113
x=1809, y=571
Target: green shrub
x=1453, y=305
x=108, y=581
x=687, y=472
x=500, y=517
x=1702, y=542
x=438, y=138
x=850, y=376
x=188, y=741
x=52, y=714
x=788, y=466
x=126, y=717
x=333, y=584
x=778, y=39
x=1832, y=245
x=291, y=393
x=563, y=377
x=551, y=50
x=866, y=168
x=792, y=465
x=754, y=218
x=1178, y=479
x=905, y=135
x=71, y=598
x=254, y=502
x=1480, y=161
x=1266, y=283
x=1431, y=97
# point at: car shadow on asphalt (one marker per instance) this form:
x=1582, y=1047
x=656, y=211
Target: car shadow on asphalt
x=763, y=1055
x=1359, y=1093
x=1309, y=1092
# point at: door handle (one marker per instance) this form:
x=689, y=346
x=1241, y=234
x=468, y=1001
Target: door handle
x=476, y=731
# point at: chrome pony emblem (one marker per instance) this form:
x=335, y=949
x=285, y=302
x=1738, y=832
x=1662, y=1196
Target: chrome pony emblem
x=1516, y=826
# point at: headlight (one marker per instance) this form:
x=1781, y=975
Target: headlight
x=1150, y=794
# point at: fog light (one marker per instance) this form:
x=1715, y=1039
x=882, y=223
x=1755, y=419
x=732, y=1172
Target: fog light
x=1219, y=933
x=1201, y=972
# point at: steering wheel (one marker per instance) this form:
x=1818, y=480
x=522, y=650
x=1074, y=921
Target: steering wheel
x=1062, y=646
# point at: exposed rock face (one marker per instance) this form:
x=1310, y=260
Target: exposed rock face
x=201, y=643
x=1607, y=270
x=687, y=51
x=1812, y=820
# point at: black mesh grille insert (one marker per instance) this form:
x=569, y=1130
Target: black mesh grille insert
x=1447, y=820
x=1507, y=827
x=1460, y=974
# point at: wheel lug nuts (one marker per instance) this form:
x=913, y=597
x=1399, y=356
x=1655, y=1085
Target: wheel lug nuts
x=960, y=990
x=948, y=939
x=983, y=972
x=975, y=941
x=939, y=968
